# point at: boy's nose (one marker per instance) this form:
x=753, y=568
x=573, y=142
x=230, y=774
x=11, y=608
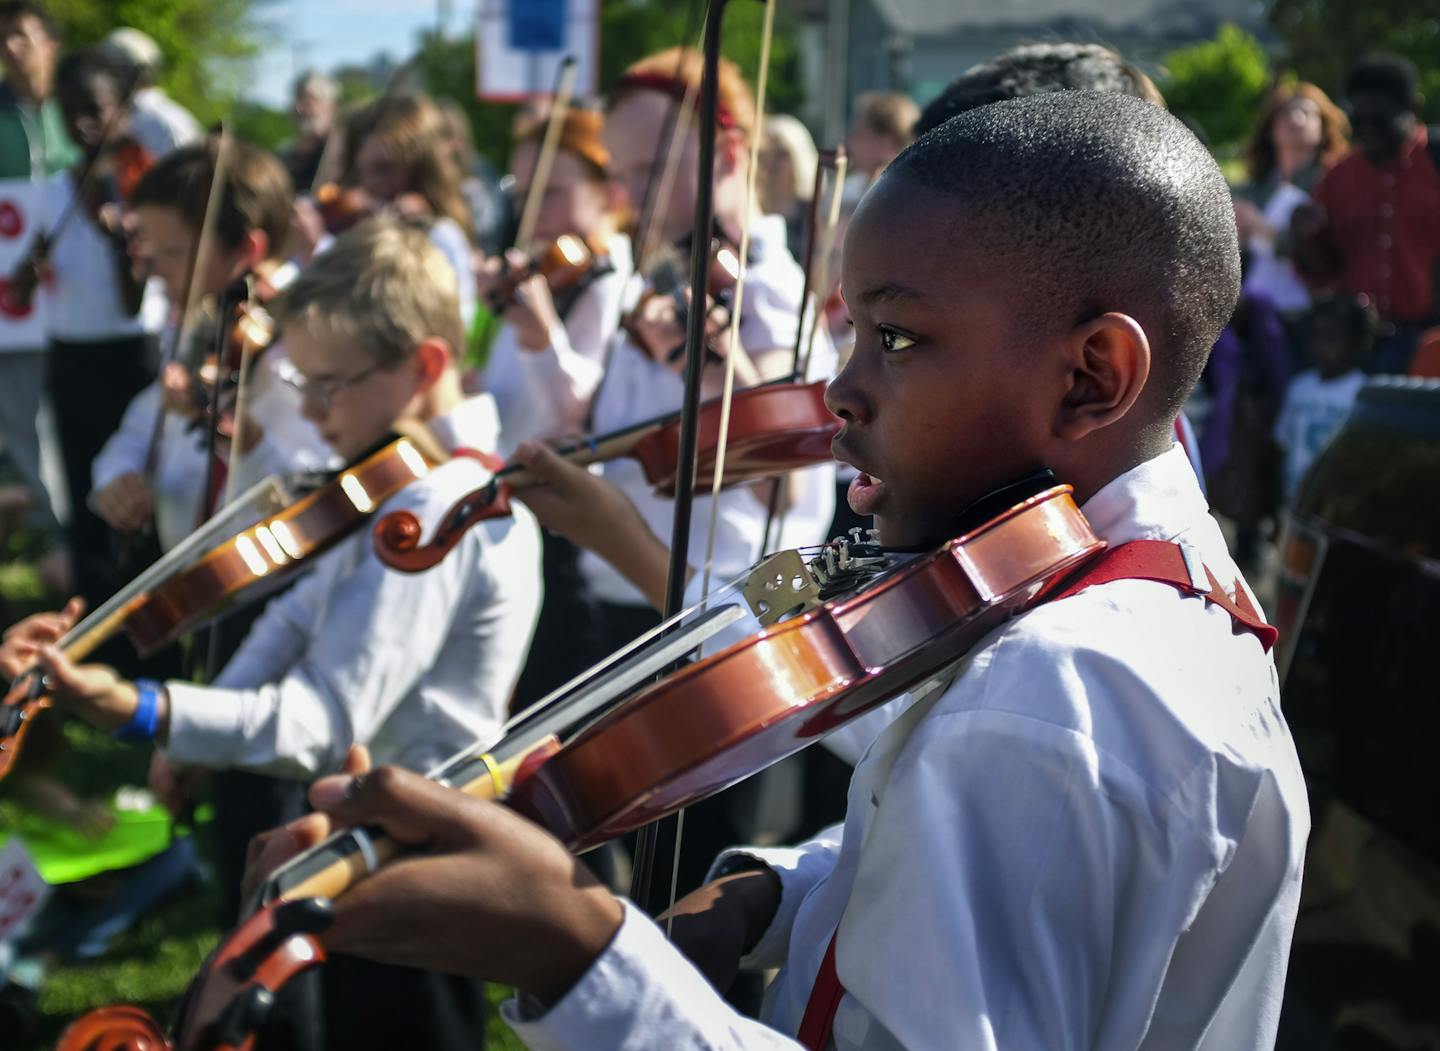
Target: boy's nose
x=845, y=398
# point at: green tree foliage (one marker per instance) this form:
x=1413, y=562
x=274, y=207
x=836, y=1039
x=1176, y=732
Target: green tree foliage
x=1323, y=38
x=205, y=42
x=1219, y=85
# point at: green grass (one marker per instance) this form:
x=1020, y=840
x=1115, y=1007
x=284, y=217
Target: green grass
x=151, y=964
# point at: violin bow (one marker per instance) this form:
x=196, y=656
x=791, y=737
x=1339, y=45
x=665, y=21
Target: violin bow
x=735, y=350
x=189, y=296
x=545, y=158
x=704, y=220
x=661, y=179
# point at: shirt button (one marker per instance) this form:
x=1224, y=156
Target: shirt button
x=1387, y=210
x=1384, y=240
x=1387, y=180
x=1384, y=272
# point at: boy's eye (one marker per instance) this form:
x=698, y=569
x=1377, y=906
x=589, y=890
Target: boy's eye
x=892, y=341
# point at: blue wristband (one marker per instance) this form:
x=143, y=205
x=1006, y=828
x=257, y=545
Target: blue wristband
x=144, y=724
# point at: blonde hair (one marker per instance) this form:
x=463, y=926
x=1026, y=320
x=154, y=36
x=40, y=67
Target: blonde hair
x=382, y=286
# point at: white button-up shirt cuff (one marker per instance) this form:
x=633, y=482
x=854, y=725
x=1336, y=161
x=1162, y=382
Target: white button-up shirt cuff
x=640, y=986
x=202, y=721
x=799, y=872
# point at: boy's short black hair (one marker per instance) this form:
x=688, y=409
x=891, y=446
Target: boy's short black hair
x=87, y=63
x=1389, y=76
x=14, y=9
x=1036, y=69
x=1097, y=203
x=257, y=195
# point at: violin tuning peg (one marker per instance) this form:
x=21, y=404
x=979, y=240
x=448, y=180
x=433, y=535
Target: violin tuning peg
x=305, y=916
x=240, y=1021
x=855, y=532
x=873, y=535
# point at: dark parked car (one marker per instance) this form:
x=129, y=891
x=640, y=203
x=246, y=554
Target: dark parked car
x=1359, y=613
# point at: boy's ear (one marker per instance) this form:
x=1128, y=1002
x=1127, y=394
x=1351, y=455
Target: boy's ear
x=255, y=248
x=432, y=358
x=1109, y=360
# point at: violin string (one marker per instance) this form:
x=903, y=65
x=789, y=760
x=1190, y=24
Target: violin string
x=545, y=158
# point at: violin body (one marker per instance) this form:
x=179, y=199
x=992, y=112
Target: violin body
x=261, y=555
x=274, y=547
x=562, y=263
x=721, y=719
x=774, y=428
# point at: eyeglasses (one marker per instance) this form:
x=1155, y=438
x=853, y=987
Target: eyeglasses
x=322, y=392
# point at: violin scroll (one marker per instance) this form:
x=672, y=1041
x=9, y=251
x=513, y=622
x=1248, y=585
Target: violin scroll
x=117, y=1028
x=397, y=534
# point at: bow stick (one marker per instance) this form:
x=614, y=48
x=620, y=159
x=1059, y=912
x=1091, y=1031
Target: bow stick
x=545, y=158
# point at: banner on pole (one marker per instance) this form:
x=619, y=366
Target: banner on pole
x=520, y=44
x=21, y=328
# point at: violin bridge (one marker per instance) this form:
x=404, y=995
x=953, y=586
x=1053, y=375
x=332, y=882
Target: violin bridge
x=779, y=586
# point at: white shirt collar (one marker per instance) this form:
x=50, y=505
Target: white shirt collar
x=1158, y=500
x=473, y=424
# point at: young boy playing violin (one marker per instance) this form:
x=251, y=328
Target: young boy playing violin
x=1093, y=835
x=410, y=666
x=154, y=464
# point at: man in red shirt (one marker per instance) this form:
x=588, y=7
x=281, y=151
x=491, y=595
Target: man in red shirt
x=1374, y=227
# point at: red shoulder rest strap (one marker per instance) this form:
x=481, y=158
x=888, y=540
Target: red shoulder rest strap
x=1169, y=563
x=1158, y=560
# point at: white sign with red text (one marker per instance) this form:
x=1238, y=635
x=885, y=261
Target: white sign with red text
x=21, y=327
x=22, y=891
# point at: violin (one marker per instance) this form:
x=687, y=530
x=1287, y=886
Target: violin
x=853, y=627
x=562, y=263
x=341, y=207
x=664, y=299
x=774, y=428
x=201, y=578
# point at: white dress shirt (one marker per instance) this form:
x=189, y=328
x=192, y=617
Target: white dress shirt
x=84, y=296
x=288, y=442
x=546, y=393
x=637, y=388
x=415, y=666
x=1092, y=839
x=160, y=124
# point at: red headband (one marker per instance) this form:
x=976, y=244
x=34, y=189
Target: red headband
x=676, y=89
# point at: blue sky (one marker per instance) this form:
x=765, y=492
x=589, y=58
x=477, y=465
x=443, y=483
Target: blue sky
x=327, y=33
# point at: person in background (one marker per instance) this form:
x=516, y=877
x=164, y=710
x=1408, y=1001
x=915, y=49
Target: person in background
x=158, y=122
x=1375, y=224
x=490, y=217
x=103, y=318
x=883, y=125
x=312, y=111
x=1245, y=381
x=1300, y=135
x=34, y=146
x=1342, y=333
x=788, y=159
x=399, y=157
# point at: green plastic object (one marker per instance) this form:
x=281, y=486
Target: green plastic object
x=64, y=855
